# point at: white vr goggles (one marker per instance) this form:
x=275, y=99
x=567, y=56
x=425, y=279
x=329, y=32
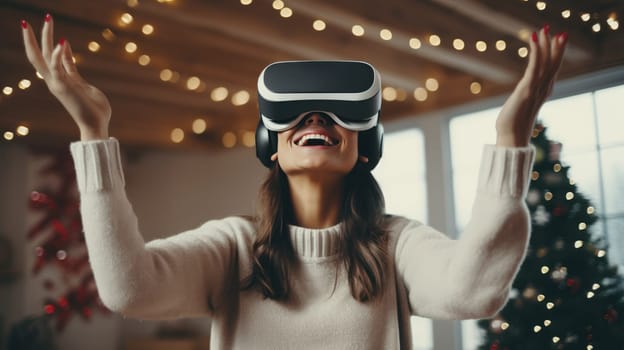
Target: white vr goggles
x=348, y=92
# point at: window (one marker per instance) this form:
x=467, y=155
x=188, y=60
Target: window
x=401, y=176
x=589, y=127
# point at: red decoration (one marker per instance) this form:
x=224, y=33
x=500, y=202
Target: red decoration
x=559, y=210
x=574, y=284
x=611, y=315
x=62, y=245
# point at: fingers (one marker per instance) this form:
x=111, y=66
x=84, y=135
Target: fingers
x=68, y=61
x=56, y=64
x=33, y=53
x=47, y=37
x=544, y=47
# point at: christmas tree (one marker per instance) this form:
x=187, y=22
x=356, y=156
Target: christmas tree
x=566, y=295
x=61, y=245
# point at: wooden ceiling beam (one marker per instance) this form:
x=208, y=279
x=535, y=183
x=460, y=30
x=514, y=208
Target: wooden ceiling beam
x=494, y=70
x=578, y=51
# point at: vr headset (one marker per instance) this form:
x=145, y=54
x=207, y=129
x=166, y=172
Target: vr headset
x=348, y=92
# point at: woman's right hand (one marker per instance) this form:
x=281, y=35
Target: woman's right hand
x=86, y=104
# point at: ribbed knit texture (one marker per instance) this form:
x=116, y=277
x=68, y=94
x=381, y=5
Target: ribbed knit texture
x=198, y=272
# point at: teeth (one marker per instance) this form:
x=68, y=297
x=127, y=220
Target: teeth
x=307, y=137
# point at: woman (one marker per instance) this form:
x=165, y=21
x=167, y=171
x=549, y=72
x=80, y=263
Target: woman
x=311, y=272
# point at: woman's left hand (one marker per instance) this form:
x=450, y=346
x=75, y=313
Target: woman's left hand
x=514, y=124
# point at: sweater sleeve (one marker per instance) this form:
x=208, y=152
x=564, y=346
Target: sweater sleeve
x=471, y=277
x=181, y=276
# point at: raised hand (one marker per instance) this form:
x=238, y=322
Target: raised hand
x=86, y=104
x=517, y=117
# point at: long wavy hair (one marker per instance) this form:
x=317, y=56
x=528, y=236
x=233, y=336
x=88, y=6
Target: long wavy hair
x=363, y=248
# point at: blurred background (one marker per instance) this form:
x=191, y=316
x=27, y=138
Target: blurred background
x=181, y=77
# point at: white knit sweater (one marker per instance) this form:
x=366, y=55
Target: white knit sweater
x=197, y=273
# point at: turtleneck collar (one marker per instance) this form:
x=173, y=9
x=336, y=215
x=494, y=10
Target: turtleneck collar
x=316, y=243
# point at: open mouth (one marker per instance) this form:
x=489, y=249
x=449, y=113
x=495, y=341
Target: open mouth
x=315, y=140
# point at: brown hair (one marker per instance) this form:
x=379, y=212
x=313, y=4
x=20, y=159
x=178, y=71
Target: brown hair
x=364, y=245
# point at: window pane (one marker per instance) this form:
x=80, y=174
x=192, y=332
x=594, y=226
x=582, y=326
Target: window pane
x=422, y=333
x=472, y=335
x=609, y=107
x=613, y=177
x=401, y=174
x=570, y=121
x=615, y=228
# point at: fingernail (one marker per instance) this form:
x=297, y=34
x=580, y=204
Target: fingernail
x=534, y=37
x=24, y=24
x=48, y=17
x=62, y=41
x=546, y=28
x=563, y=37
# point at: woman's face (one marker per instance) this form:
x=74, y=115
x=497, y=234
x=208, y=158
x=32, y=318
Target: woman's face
x=317, y=145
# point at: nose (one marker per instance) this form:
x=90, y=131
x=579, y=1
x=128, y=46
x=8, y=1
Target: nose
x=317, y=118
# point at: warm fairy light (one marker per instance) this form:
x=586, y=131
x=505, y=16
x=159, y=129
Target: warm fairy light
x=523, y=52
x=246, y=2
x=385, y=34
x=501, y=45
x=601, y=253
x=286, y=12
x=177, y=135
x=585, y=17
x=557, y=167
x=144, y=60
x=278, y=4
x=7, y=90
x=550, y=305
x=132, y=3
x=540, y=5
x=547, y=323
x=199, y=126
x=481, y=46
x=591, y=210
x=357, y=30
x=415, y=43
x=541, y=297
x=537, y=328
x=596, y=27
x=569, y=195
x=432, y=84
x=555, y=340
x=420, y=94
x=249, y=139
x=582, y=226
x=229, y=139
x=389, y=93
x=318, y=25
x=545, y=269
x=578, y=244
x=240, y=98
x=475, y=88
x=131, y=47
x=595, y=286
x=504, y=325
x=590, y=347
x=192, y=83
x=548, y=195
x=458, y=44
x=534, y=175
x=93, y=46
x=613, y=22
x=565, y=13
x=590, y=294
x=8, y=135
x=23, y=84
x=126, y=18
x=166, y=74
x=108, y=34
x=572, y=182
x=147, y=29
x=22, y=130
x=434, y=40
x=38, y=75
x=219, y=94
